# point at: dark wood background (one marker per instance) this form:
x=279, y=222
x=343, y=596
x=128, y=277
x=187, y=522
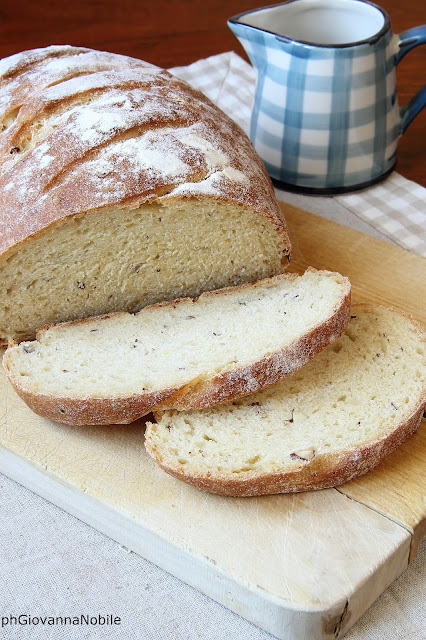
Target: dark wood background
x=170, y=33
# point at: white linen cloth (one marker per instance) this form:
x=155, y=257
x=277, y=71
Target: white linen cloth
x=53, y=564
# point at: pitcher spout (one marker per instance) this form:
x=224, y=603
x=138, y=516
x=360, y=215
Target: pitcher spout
x=263, y=32
x=247, y=40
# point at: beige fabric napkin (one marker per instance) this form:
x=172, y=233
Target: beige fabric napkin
x=395, y=207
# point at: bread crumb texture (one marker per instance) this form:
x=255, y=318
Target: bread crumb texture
x=121, y=186
x=330, y=421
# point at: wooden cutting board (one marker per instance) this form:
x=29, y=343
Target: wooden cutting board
x=299, y=566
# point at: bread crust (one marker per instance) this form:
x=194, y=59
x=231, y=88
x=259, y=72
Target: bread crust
x=66, y=187
x=201, y=392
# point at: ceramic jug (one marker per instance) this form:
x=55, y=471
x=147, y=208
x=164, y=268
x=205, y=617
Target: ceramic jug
x=325, y=116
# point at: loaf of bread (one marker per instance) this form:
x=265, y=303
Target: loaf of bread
x=333, y=420
x=120, y=186
x=183, y=354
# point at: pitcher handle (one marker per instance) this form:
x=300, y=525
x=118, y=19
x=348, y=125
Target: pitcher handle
x=407, y=41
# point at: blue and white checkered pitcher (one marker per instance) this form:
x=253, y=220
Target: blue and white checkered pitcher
x=325, y=116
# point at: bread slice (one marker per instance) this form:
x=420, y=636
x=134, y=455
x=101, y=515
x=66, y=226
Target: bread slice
x=121, y=186
x=333, y=420
x=185, y=354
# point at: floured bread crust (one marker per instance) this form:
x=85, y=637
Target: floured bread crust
x=117, y=131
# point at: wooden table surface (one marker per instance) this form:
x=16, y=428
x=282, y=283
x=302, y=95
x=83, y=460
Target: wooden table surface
x=170, y=33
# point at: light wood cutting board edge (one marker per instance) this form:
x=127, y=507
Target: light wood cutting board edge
x=385, y=274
